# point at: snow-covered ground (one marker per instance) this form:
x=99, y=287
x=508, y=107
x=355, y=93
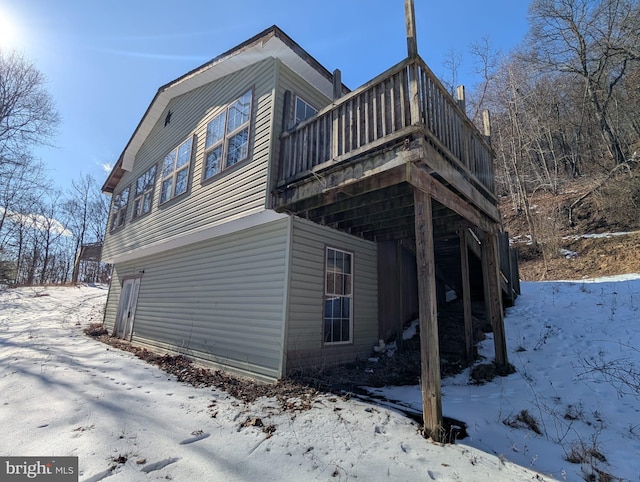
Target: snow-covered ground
x=63, y=393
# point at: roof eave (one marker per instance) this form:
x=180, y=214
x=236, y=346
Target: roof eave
x=211, y=71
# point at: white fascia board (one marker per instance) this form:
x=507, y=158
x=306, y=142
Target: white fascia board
x=252, y=220
x=273, y=47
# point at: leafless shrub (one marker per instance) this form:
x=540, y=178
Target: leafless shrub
x=96, y=329
x=523, y=419
x=621, y=373
x=582, y=453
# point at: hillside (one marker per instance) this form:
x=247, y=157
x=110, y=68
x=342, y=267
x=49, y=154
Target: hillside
x=602, y=239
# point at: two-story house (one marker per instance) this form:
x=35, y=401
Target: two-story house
x=262, y=213
x=202, y=264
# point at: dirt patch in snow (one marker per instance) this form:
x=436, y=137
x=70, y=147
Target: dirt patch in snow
x=589, y=257
x=186, y=371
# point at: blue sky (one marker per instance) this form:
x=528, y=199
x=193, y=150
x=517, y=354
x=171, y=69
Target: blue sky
x=104, y=60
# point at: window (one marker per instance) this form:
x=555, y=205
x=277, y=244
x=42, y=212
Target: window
x=119, y=209
x=144, y=193
x=175, y=171
x=338, y=297
x=227, y=141
x=303, y=111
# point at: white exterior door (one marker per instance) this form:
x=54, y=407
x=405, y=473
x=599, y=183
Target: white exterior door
x=127, y=308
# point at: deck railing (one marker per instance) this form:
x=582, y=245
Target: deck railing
x=380, y=112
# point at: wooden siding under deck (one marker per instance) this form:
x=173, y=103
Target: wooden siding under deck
x=218, y=301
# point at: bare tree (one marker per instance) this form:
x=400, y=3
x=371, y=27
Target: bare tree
x=20, y=185
x=27, y=113
x=452, y=63
x=486, y=61
x=593, y=40
x=86, y=211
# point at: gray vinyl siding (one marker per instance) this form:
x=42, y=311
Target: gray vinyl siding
x=305, y=314
x=288, y=80
x=236, y=192
x=113, y=298
x=219, y=301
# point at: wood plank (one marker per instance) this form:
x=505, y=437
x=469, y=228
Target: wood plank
x=427, y=307
x=398, y=137
x=466, y=296
x=443, y=167
x=327, y=195
x=410, y=21
x=493, y=296
x=474, y=244
x=335, y=133
x=337, y=84
x=426, y=183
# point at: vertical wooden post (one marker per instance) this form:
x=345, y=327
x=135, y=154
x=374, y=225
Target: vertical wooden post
x=466, y=296
x=412, y=49
x=337, y=84
x=486, y=122
x=429, y=347
x=399, y=293
x=410, y=20
x=460, y=98
x=493, y=296
x=76, y=266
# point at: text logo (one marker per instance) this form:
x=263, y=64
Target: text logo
x=49, y=469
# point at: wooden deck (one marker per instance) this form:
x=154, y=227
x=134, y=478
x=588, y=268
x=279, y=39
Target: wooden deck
x=354, y=164
x=399, y=160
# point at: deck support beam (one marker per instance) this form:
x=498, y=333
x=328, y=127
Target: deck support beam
x=427, y=307
x=493, y=296
x=466, y=295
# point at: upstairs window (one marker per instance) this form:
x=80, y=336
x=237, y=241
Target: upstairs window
x=227, y=140
x=338, y=296
x=175, y=171
x=303, y=111
x=119, y=209
x=144, y=193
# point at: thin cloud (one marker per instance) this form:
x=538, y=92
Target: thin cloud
x=153, y=56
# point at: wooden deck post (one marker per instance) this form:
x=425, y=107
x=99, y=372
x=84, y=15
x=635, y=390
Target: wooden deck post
x=466, y=295
x=401, y=287
x=460, y=98
x=429, y=347
x=337, y=84
x=410, y=20
x=493, y=296
x=486, y=124
x=412, y=48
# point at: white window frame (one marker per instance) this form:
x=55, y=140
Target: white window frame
x=338, y=287
x=310, y=110
x=119, y=209
x=222, y=143
x=172, y=171
x=143, y=195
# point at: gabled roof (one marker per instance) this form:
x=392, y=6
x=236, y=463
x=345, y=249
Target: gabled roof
x=272, y=42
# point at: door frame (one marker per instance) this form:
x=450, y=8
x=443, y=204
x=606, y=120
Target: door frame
x=125, y=316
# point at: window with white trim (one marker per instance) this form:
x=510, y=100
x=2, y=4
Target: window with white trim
x=119, y=209
x=227, y=139
x=303, y=110
x=338, y=296
x=175, y=171
x=144, y=193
